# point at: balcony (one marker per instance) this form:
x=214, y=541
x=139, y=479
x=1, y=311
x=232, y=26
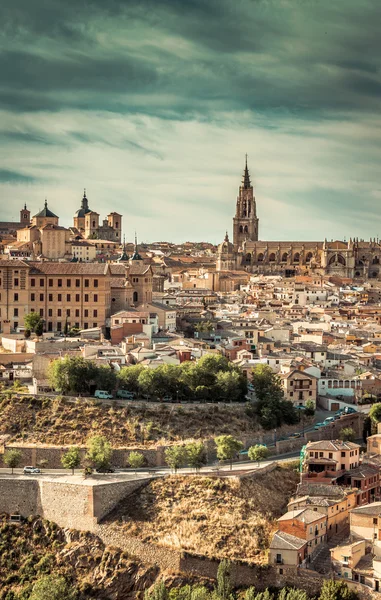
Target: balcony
x=278, y=561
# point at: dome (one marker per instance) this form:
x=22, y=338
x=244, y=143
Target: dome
x=82, y=212
x=226, y=247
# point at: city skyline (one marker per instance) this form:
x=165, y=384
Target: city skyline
x=152, y=108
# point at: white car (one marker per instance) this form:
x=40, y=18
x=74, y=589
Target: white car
x=30, y=470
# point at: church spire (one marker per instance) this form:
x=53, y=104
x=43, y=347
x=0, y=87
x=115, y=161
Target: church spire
x=136, y=255
x=124, y=257
x=85, y=202
x=246, y=184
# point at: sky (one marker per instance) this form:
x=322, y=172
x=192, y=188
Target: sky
x=151, y=105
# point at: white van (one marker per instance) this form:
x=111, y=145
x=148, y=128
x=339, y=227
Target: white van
x=102, y=395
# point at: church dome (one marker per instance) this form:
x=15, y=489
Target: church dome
x=226, y=247
x=84, y=210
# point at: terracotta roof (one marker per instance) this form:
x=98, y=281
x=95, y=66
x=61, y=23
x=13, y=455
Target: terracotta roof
x=335, y=445
x=68, y=268
x=305, y=515
x=138, y=268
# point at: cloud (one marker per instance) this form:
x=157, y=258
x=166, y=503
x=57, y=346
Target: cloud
x=152, y=105
x=15, y=177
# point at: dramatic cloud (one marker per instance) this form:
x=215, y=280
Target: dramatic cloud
x=152, y=105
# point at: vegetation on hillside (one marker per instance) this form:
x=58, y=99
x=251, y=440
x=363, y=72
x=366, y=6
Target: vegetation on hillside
x=213, y=517
x=37, y=555
x=58, y=421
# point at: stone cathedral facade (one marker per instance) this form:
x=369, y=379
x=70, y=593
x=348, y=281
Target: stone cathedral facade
x=353, y=259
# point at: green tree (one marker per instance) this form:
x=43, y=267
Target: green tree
x=266, y=595
x=227, y=447
x=12, y=458
x=196, y=455
x=52, y=587
x=310, y=410
x=375, y=412
x=336, y=590
x=33, y=322
x=136, y=460
x=347, y=434
x=258, y=453
x=367, y=429
x=271, y=407
x=128, y=378
x=288, y=593
x=251, y=594
x=71, y=459
x=229, y=385
x=175, y=457
x=224, y=581
x=105, y=378
x=99, y=451
x=157, y=592
x=73, y=374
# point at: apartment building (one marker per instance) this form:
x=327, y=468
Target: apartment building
x=299, y=387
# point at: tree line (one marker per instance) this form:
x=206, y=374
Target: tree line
x=212, y=378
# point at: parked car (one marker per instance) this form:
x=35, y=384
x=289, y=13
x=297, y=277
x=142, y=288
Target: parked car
x=318, y=425
x=125, y=394
x=105, y=470
x=336, y=417
x=339, y=412
x=102, y=395
x=31, y=470
x=294, y=436
x=167, y=398
x=329, y=420
x=348, y=410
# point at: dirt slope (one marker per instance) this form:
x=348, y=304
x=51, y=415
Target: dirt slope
x=219, y=518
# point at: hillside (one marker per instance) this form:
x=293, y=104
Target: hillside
x=37, y=547
x=221, y=518
x=41, y=420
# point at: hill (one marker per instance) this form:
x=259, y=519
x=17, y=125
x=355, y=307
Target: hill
x=57, y=421
x=218, y=518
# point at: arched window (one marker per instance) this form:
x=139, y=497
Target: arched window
x=248, y=258
x=357, y=274
x=246, y=229
x=296, y=257
x=135, y=297
x=260, y=257
x=374, y=274
x=309, y=257
x=93, y=223
x=284, y=257
x=337, y=258
x=240, y=229
x=376, y=261
x=272, y=257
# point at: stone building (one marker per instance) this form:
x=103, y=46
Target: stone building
x=86, y=221
x=352, y=259
x=83, y=295
x=43, y=237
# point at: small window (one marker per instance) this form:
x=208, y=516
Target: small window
x=15, y=312
x=42, y=282
x=86, y=313
x=16, y=282
x=95, y=297
x=32, y=282
x=95, y=313
x=50, y=283
x=59, y=297
x=68, y=283
x=50, y=312
x=59, y=283
x=77, y=298
x=77, y=283
x=86, y=297
x=87, y=282
x=68, y=297
x=95, y=283
x=77, y=312
x=59, y=312
x=50, y=297
x=15, y=297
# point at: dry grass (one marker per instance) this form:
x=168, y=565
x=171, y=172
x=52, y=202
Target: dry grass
x=214, y=517
x=37, y=420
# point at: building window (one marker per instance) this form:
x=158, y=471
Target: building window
x=86, y=297
x=41, y=297
x=95, y=283
x=86, y=313
x=68, y=297
x=15, y=312
x=50, y=297
x=42, y=282
x=59, y=297
x=41, y=312
x=59, y=283
x=50, y=283
x=85, y=325
x=87, y=282
x=95, y=324
x=50, y=326
x=16, y=282
x=68, y=312
x=32, y=282
x=15, y=324
x=95, y=297
x=76, y=312
x=135, y=297
x=50, y=312
x=59, y=312
x=77, y=298
x=95, y=313
x=59, y=326
x=15, y=297
x=68, y=282
x=77, y=283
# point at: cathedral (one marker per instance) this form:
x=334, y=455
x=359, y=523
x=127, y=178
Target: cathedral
x=86, y=223
x=353, y=259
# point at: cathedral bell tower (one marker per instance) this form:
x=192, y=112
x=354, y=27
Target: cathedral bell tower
x=245, y=222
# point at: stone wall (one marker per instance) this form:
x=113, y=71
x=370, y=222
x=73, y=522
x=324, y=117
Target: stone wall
x=77, y=505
